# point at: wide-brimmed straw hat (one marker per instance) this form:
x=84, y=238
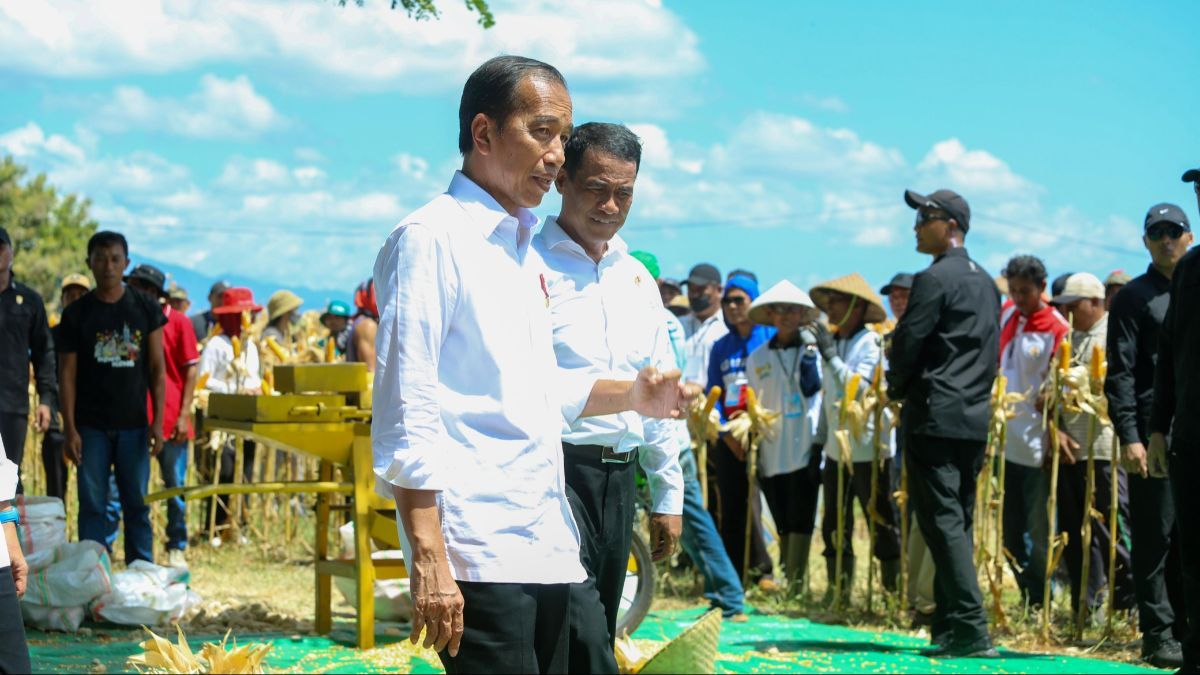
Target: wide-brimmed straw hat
x=782, y=293
x=281, y=303
x=853, y=285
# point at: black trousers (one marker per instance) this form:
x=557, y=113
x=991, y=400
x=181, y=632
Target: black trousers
x=728, y=497
x=942, y=475
x=1072, y=495
x=858, y=485
x=511, y=628
x=14, y=650
x=54, y=463
x=1157, y=573
x=601, y=497
x=792, y=497
x=13, y=429
x=1183, y=465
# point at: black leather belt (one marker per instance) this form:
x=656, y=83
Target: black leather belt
x=600, y=452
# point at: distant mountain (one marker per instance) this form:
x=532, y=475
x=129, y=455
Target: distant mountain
x=198, y=283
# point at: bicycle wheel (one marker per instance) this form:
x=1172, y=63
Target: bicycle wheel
x=639, y=587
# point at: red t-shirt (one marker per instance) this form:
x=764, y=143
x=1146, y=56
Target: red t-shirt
x=179, y=352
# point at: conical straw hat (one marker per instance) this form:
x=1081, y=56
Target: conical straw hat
x=851, y=284
x=782, y=293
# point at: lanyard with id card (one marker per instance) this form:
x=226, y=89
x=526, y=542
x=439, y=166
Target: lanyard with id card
x=793, y=399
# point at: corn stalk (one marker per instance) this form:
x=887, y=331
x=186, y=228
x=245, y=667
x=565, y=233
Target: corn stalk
x=1051, y=413
x=876, y=408
x=845, y=465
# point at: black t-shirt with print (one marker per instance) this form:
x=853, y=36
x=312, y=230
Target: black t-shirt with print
x=110, y=341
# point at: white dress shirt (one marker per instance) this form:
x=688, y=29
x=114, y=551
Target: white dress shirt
x=215, y=361
x=701, y=336
x=468, y=399
x=607, y=316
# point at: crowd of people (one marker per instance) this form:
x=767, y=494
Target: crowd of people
x=524, y=376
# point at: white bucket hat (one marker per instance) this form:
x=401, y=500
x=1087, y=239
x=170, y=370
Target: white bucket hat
x=782, y=293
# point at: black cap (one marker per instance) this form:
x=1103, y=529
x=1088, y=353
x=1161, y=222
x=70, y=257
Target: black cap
x=901, y=280
x=947, y=200
x=1060, y=284
x=219, y=288
x=5, y=238
x=704, y=274
x=1167, y=213
x=1191, y=176
x=149, y=274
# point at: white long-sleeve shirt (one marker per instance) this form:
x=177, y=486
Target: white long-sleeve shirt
x=859, y=355
x=468, y=398
x=8, y=490
x=607, y=316
x=775, y=376
x=701, y=336
x=215, y=362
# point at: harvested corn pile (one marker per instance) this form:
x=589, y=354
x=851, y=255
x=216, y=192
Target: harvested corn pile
x=255, y=618
x=162, y=656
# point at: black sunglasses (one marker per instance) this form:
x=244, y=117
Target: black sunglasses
x=928, y=216
x=733, y=300
x=1157, y=232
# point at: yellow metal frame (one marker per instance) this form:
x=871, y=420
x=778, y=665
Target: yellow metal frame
x=346, y=444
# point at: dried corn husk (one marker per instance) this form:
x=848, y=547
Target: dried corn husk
x=161, y=656
x=704, y=424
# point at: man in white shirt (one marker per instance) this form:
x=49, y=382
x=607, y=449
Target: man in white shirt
x=706, y=324
x=469, y=402
x=606, y=312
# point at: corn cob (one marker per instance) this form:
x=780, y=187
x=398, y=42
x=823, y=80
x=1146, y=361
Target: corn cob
x=277, y=349
x=237, y=346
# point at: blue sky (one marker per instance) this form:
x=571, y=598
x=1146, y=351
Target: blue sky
x=283, y=139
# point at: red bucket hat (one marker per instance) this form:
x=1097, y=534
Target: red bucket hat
x=237, y=300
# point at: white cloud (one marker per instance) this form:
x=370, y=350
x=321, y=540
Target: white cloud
x=252, y=174
x=218, y=109
x=308, y=175
x=782, y=144
x=139, y=172
x=970, y=171
x=30, y=141
x=656, y=149
x=371, y=47
x=411, y=166
x=826, y=103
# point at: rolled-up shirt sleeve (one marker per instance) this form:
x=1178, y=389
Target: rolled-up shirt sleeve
x=574, y=387
x=416, y=290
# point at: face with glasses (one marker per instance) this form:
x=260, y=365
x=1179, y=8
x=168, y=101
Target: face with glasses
x=1167, y=243
x=787, y=318
x=933, y=229
x=736, y=305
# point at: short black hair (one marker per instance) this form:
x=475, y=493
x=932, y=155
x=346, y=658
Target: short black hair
x=1026, y=267
x=492, y=90
x=614, y=139
x=104, y=239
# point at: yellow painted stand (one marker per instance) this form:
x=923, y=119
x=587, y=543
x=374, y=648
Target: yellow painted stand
x=345, y=443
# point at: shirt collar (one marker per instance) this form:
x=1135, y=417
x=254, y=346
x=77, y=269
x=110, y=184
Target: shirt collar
x=960, y=252
x=483, y=209
x=554, y=236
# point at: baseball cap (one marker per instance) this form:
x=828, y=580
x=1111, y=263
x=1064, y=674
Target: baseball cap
x=1080, y=286
x=901, y=280
x=947, y=200
x=648, y=259
x=1117, y=278
x=76, y=279
x=1167, y=213
x=5, y=238
x=1191, y=176
x=218, y=289
x=673, y=283
x=704, y=274
x=1059, y=285
x=149, y=274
